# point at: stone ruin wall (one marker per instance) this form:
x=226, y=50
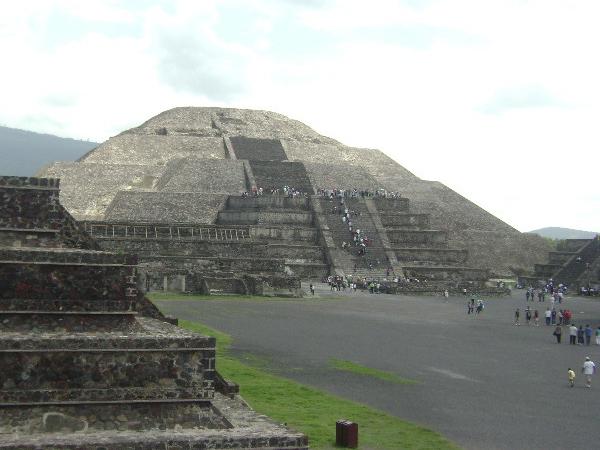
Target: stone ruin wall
x=161, y=207
x=149, y=150
x=83, y=370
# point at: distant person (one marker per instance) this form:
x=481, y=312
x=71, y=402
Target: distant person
x=528, y=316
x=557, y=334
x=517, y=315
x=536, y=318
x=446, y=295
x=588, y=369
x=548, y=315
x=571, y=375
x=598, y=336
x=312, y=289
x=588, y=334
x=580, y=334
x=572, y=335
x=480, y=307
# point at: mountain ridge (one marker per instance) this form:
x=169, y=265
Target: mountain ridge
x=24, y=152
x=564, y=233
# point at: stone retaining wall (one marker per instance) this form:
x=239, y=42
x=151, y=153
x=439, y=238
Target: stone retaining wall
x=86, y=419
x=272, y=217
x=150, y=149
x=437, y=255
x=268, y=202
x=165, y=207
x=423, y=237
x=414, y=221
x=87, y=190
x=204, y=175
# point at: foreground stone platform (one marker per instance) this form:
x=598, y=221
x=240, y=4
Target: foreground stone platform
x=237, y=426
x=90, y=363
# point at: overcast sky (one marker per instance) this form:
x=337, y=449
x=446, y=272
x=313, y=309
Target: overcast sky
x=499, y=100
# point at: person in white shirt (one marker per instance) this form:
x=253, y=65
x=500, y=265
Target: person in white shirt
x=573, y=335
x=588, y=369
x=548, y=315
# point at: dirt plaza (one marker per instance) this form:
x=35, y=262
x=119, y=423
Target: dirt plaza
x=482, y=382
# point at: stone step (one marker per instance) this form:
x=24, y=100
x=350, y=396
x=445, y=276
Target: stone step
x=259, y=149
x=85, y=418
x=67, y=321
x=275, y=174
x=268, y=201
x=274, y=216
x=412, y=238
x=430, y=255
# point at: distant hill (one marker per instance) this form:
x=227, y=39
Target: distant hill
x=564, y=233
x=23, y=152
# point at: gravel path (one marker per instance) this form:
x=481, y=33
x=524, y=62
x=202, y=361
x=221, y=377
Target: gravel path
x=484, y=383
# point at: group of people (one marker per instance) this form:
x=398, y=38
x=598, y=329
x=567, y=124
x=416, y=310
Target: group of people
x=357, y=237
x=339, y=283
x=355, y=193
x=587, y=369
x=287, y=191
x=473, y=306
x=556, y=295
x=578, y=336
x=552, y=316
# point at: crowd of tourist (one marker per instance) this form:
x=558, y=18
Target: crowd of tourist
x=357, y=238
x=287, y=191
x=356, y=193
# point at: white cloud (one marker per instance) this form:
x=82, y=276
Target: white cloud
x=358, y=80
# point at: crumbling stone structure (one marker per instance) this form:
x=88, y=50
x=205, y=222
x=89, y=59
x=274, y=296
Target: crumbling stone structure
x=186, y=168
x=87, y=361
x=575, y=263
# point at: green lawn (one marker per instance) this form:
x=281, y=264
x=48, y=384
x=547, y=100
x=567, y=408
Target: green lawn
x=180, y=296
x=315, y=412
x=349, y=366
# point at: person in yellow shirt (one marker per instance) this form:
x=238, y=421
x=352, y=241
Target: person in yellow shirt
x=571, y=375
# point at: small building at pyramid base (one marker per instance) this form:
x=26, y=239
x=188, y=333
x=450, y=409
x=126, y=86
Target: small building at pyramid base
x=171, y=190
x=87, y=361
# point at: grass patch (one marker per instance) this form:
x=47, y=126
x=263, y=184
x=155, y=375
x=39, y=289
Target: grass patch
x=349, y=366
x=314, y=412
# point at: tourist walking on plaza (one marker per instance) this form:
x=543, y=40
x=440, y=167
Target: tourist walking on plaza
x=557, y=334
x=598, y=336
x=588, y=369
x=517, y=315
x=480, y=307
x=571, y=375
x=588, y=334
x=548, y=315
x=572, y=335
x=528, y=316
x=580, y=334
x=536, y=318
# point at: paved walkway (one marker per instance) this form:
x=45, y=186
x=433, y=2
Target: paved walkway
x=484, y=383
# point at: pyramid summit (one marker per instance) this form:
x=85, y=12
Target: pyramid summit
x=186, y=167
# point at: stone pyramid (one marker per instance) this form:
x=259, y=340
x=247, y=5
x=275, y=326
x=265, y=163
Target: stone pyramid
x=181, y=166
